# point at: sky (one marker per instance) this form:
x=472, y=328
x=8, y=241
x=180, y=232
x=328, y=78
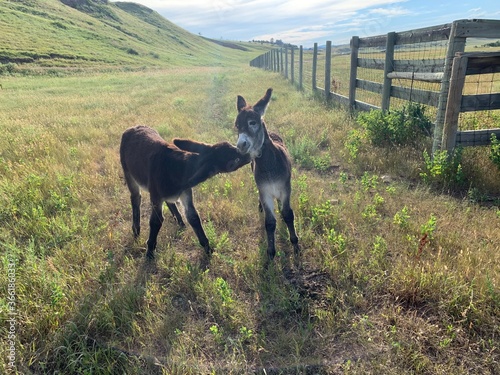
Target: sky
x=304, y=22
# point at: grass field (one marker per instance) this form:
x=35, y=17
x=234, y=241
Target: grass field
x=394, y=277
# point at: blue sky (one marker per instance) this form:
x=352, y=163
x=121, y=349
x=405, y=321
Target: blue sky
x=304, y=22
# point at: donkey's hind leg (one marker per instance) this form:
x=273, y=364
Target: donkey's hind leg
x=175, y=212
x=135, y=200
x=155, y=223
x=194, y=219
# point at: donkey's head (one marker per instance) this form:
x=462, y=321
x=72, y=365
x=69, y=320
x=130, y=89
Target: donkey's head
x=217, y=158
x=250, y=125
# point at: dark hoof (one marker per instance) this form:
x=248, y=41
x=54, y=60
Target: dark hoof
x=271, y=253
x=208, y=251
x=150, y=255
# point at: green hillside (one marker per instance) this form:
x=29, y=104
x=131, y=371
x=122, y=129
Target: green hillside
x=98, y=33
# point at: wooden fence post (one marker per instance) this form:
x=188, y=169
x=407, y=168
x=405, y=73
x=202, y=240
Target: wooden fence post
x=328, y=68
x=314, y=67
x=453, y=106
x=276, y=60
x=388, y=67
x=353, y=72
x=455, y=44
x=301, y=66
x=277, y=57
x=286, y=62
x=292, y=66
x=281, y=59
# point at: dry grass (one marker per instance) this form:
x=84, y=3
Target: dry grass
x=394, y=278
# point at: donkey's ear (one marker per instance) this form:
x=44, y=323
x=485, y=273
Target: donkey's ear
x=241, y=103
x=261, y=106
x=191, y=146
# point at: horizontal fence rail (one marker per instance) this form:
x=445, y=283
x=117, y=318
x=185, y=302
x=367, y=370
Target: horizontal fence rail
x=384, y=71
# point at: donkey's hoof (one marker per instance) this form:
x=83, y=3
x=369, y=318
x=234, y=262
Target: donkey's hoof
x=208, y=250
x=150, y=255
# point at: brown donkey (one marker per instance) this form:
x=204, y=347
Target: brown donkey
x=271, y=167
x=168, y=173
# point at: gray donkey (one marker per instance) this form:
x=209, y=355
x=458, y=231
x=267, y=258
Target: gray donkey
x=271, y=166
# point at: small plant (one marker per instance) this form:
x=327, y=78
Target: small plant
x=370, y=212
x=353, y=143
x=495, y=151
x=427, y=232
x=224, y=291
x=228, y=187
x=378, y=200
x=401, y=218
x=337, y=240
x=246, y=334
x=302, y=151
x=322, y=163
x=369, y=182
x=216, y=333
x=379, y=250
x=343, y=177
x=323, y=215
x=303, y=188
x=429, y=227
x=443, y=169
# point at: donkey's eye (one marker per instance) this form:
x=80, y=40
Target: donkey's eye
x=252, y=123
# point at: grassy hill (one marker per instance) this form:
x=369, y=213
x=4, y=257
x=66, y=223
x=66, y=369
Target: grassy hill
x=96, y=33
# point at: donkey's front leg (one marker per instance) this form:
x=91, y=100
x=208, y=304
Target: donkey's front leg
x=155, y=223
x=194, y=219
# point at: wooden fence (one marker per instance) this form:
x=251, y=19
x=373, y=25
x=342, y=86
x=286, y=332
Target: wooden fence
x=432, y=68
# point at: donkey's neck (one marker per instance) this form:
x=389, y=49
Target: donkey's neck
x=199, y=169
x=267, y=139
x=267, y=148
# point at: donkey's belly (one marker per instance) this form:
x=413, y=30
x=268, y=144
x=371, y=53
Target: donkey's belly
x=274, y=190
x=172, y=198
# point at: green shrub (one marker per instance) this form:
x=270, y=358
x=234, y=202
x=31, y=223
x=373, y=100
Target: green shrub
x=8, y=68
x=353, y=143
x=495, y=150
x=400, y=127
x=444, y=170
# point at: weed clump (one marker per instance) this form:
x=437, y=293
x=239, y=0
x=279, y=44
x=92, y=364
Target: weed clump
x=495, y=151
x=400, y=127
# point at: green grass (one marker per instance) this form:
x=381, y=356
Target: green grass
x=394, y=278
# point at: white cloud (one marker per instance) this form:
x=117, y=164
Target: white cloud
x=308, y=21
